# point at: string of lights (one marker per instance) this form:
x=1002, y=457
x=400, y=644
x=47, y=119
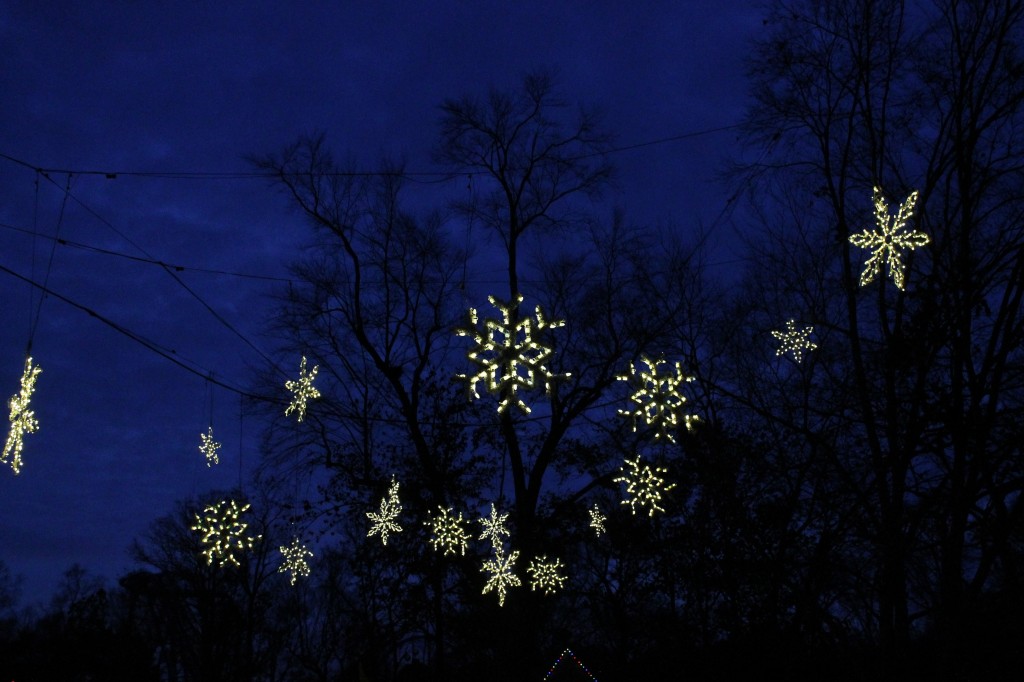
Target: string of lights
x=576, y=660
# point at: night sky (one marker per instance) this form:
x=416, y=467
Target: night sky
x=173, y=99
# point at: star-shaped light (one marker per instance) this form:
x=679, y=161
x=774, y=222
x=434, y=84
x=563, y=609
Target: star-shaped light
x=294, y=562
x=657, y=399
x=508, y=354
x=223, y=532
x=643, y=485
x=494, y=527
x=448, y=532
x=794, y=341
x=209, y=447
x=501, y=575
x=303, y=390
x=390, y=508
x=545, y=576
x=23, y=420
x=597, y=519
x=888, y=239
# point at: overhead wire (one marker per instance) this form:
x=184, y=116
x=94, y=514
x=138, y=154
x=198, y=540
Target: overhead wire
x=166, y=353
x=441, y=176
x=49, y=266
x=176, y=278
x=207, y=175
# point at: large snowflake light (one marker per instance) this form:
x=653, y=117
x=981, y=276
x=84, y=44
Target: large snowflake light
x=544, y=575
x=643, y=485
x=657, y=399
x=794, y=341
x=508, y=354
x=448, y=532
x=597, y=519
x=23, y=420
x=888, y=239
x=294, y=562
x=303, y=390
x=494, y=527
x=384, y=522
x=209, y=447
x=501, y=575
x=223, y=532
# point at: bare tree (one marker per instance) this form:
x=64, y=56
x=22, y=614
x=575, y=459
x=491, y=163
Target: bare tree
x=918, y=411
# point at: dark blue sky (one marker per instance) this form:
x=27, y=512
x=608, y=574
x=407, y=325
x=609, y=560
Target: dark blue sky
x=165, y=88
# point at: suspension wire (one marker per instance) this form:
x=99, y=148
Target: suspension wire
x=241, y=434
x=49, y=267
x=35, y=234
x=168, y=269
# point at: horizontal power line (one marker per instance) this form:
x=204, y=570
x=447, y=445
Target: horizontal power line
x=440, y=176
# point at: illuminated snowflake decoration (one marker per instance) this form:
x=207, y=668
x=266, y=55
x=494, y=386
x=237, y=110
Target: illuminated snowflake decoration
x=223, y=532
x=303, y=390
x=448, y=532
x=494, y=527
x=508, y=354
x=644, y=486
x=795, y=341
x=384, y=522
x=23, y=420
x=597, y=519
x=544, y=575
x=501, y=575
x=889, y=239
x=294, y=562
x=657, y=399
x=209, y=447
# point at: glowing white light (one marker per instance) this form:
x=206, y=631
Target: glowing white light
x=494, y=527
x=794, y=341
x=294, y=560
x=501, y=575
x=209, y=447
x=657, y=399
x=888, y=240
x=643, y=485
x=545, y=576
x=384, y=522
x=223, y=532
x=597, y=519
x=448, y=532
x=302, y=389
x=508, y=355
x=23, y=420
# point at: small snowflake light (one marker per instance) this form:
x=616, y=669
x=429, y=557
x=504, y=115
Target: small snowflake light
x=643, y=485
x=597, y=519
x=303, y=390
x=794, y=341
x=294, y=560
x=544, y=575
x=384, y=522
x=23, y=420
x=448, y=532
x=494, y=527
x=657, y=398
x=508, y=354
x=501, y=575
x=209, y=447
x=889, y=239
x=223, y=532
